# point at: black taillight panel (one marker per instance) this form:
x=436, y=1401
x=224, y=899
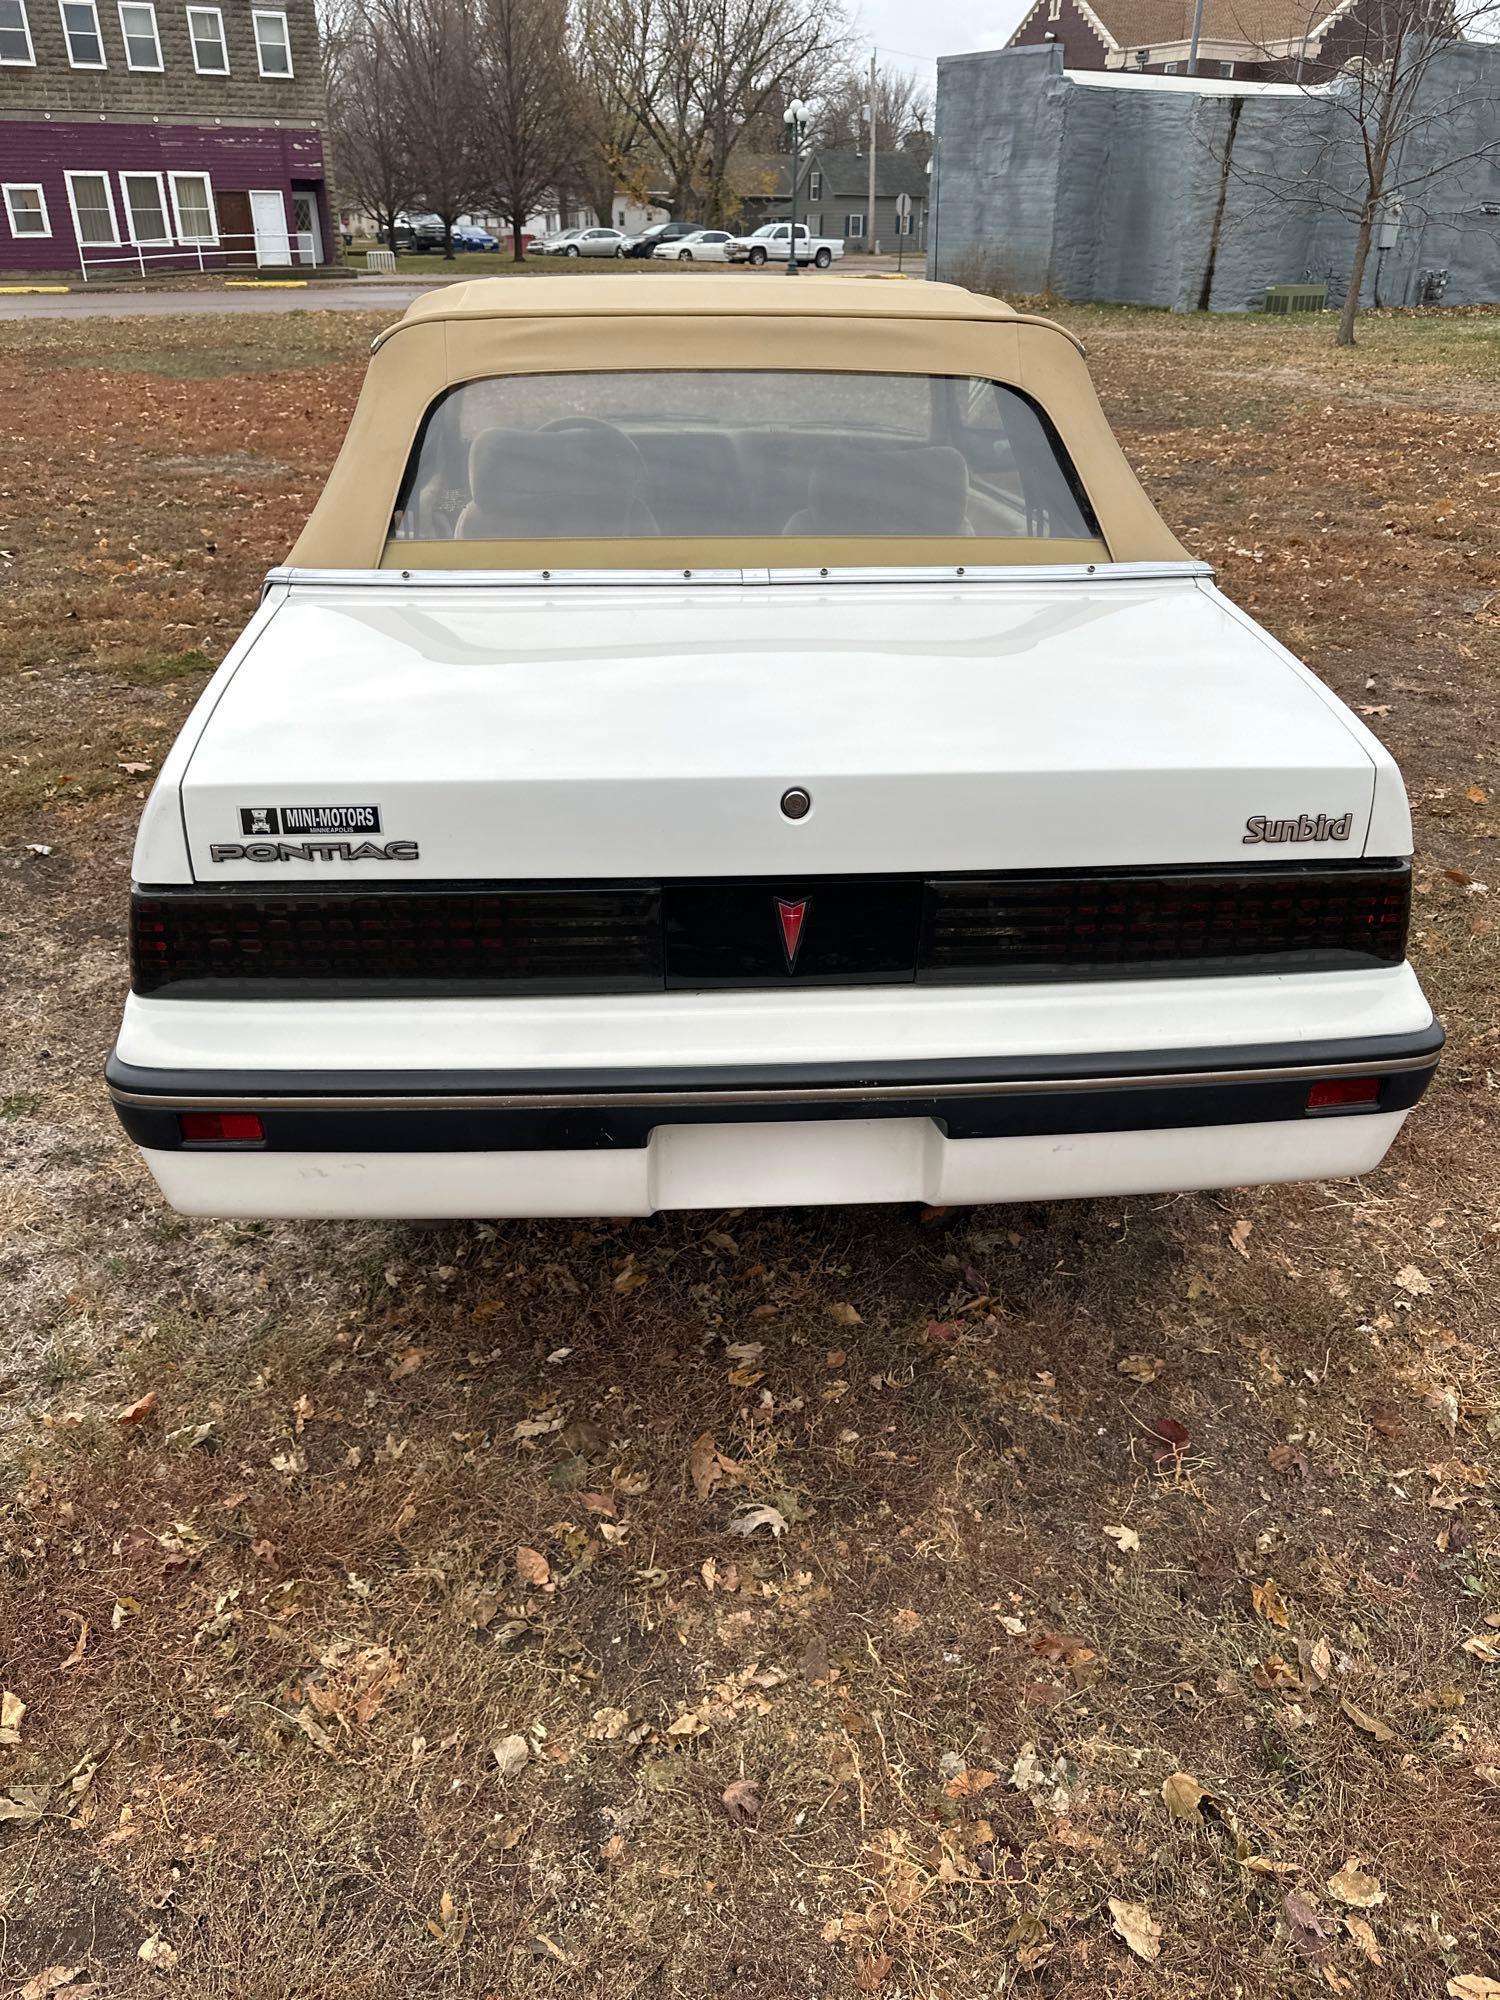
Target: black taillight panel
x=432, y=940
x=475, y=938
x=1167, y=922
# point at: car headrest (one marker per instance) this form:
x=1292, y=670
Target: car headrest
x=869, y=488
x=555, y=482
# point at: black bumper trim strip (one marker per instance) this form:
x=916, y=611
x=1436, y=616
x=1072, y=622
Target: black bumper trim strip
x=423, y=1111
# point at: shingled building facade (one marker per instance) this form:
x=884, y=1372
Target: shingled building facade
x=147, y=136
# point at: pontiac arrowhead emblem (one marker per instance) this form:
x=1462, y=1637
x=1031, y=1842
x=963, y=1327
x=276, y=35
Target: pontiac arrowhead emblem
x=791, y=917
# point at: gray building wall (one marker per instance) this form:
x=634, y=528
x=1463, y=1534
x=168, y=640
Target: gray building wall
x=1041, y=184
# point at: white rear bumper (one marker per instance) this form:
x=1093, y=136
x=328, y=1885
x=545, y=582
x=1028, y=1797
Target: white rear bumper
x=771, y=1165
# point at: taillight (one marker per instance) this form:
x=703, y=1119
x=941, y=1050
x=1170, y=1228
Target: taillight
x=1338, y=1093
x=220, y=1128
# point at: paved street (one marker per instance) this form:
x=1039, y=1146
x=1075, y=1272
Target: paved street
x=356, y=297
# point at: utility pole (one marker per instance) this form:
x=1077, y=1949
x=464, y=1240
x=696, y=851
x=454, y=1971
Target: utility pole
x=1192, y=68
x=870, y=243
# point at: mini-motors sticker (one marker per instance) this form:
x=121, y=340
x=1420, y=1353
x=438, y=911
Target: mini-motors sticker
x=265, y=822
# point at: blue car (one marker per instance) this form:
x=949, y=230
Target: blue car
x=467, y=236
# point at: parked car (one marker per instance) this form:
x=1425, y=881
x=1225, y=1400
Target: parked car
x=954, y=839
x=645, y=245
x=705, y=246
x=772, y=240
x=551, y=246
x=419, y=233
x=469, y=236
x=599, y=242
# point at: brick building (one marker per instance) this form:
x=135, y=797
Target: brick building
x=157, y=135
x=1248, y=40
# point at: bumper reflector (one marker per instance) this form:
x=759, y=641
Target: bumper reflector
x=1338, y=1093
x=220, y=1128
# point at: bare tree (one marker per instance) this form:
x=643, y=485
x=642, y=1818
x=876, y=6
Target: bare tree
x=531, y=128
x=368, y=115
x=1400, y=128
x=691, y=75
x=902, y=107
x=432, y=47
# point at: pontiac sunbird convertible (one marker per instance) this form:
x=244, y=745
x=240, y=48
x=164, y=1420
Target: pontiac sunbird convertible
x=728, y=740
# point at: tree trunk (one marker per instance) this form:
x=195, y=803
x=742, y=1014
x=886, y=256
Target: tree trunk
x=1356, y=275
x=447, y=239
x=517, y=246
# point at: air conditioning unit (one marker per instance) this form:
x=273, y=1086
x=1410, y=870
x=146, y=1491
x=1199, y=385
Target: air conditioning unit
x=1296, y=298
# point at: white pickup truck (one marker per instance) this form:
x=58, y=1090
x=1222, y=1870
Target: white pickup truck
x=770, y=240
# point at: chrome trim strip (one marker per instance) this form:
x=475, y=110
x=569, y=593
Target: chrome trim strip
x=587, y=1100
x=286, y=576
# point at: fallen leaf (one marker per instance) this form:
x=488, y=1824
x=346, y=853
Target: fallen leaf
x=969, y=1783
x=1477, y=795
x=1275, y=1672
x=905, y=1621
x=1171, y=1438
x=608, y=1725
x=704, y=1465
x=133, y=769
x=1410, y=1279
x=1484, y=1646
x=158, y=1953
x=512, y=1754
x=1365, y=1938
x=844, y=1315
x=1126, y=1539
x=870, y=1973
x=1141, y=1367
x=1311, y=1937
x=1136, y=1925
x=598, y=1503
x=1370, y=1724
x=742, y=1802
x=138, y=1411
x=51, y=1980
x=532, y=1567
x=12, y=1710
x=1316, y=1661
x=1181, y=1794
x=631, y=1277
x=23, y=1805
x=755, y=1518
x=1473, y=1986
x=1352, y=1886
x=408, y=1361
x=614, y=1850
x=1266, y=1597
x=1239, y=1237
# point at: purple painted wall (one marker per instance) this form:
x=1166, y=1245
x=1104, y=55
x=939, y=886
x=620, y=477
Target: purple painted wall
x=236, y=159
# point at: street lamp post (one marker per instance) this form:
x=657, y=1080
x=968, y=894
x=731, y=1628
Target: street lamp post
x=795, y=116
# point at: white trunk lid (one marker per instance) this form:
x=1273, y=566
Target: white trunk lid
x=571, y=732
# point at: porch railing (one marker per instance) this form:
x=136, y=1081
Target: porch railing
x=233, y=251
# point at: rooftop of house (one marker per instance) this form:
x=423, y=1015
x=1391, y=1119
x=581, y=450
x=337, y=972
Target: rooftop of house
x=1257, y=24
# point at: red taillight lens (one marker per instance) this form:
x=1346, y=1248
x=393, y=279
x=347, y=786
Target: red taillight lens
x=1343, y=1090
x=219, y=1128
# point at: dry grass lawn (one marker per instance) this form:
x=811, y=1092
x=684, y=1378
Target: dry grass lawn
x=408, y=1642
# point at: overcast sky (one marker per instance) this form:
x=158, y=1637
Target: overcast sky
x=914, y=33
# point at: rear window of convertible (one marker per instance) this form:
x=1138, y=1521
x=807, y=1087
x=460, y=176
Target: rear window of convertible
x=742, y=453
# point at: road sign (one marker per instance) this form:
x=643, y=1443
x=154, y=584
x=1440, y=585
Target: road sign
x=903, y=206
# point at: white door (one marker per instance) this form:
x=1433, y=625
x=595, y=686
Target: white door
x=308, y=230
x=273, y=245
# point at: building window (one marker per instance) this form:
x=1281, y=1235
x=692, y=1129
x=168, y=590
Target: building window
x=1169, y=69
x=15, y=35
x=26, y=206
x=138, y=31
x=273, y=49
x=193, y=208
x=80, y=19
x=1226, y=69
x=93, y=207
x=815, y=185
x=854, y=225
x=1054, y=10
x=210, y=51
x=146, y=209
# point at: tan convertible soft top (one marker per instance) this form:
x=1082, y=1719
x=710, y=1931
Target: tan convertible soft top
x=742, y=320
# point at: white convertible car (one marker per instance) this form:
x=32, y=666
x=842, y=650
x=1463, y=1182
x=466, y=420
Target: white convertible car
x=717, y=747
